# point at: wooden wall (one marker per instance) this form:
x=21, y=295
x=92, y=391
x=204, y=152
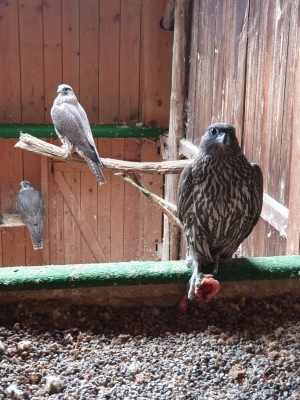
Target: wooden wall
x=243, y=60
x=118, y=61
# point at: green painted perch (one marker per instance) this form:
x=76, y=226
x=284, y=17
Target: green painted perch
x=13, y=279
x=46, y=131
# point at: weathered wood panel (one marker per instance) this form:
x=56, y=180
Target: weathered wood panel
x=243, y=64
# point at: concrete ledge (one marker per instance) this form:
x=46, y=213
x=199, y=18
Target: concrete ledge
x=136, y=283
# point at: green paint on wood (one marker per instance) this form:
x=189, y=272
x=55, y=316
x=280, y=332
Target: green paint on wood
x=141, y=273
x=12, y=131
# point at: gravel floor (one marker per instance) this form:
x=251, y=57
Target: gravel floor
x=247, y=349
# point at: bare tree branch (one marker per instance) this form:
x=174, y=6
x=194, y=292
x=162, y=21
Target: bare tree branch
x=33, y=144
x=169, y=209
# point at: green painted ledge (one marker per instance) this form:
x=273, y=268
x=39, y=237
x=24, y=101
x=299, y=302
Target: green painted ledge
x=14, y=279
x=46, y=131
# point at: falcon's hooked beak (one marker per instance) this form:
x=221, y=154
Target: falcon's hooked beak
x=222, y=138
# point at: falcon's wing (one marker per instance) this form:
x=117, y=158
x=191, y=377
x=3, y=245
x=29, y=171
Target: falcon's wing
x=31, y=207
x=254, y=211
x=257, y=197
x=69, y=123
x=185, y=192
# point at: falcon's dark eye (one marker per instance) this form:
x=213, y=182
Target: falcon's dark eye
x=213, y=131
x=232, y=132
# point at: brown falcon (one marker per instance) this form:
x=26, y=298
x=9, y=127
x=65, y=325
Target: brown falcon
x=220, y=198
x=31, y=207
x=72, y=127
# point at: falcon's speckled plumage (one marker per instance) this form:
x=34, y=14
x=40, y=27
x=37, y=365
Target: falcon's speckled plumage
x=220, y=198
x=31, y=207
x=73, y=128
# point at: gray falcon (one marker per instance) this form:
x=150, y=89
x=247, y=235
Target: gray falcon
x=220, y=198
x=73, y=128
x=32, y=209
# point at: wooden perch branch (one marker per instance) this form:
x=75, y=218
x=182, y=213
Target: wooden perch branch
x=30, y=143
x=169, y=209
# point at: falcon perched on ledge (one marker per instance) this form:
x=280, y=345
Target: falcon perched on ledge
x=220, y=198
x=31, y=207
x=72, y=127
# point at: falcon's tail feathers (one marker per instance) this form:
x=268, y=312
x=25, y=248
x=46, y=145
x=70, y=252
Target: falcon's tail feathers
x=96, y=170
x=37, y=244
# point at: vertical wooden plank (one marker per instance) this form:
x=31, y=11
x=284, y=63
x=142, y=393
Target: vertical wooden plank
x=89, y=58
x=181, y=52
x=205, y=67
x=11, y=174
x=56, y=220
x=253, y=111
x=156, y=61
x=117, y=206
x=10, y=95
x=130, y=60
x=70, y=41
x=52, y=27
x=45, y=173
x=109, y=61
x=89, y=208
x=151, y=217
x=32, y=63
x=72, y=232
x=293, y=232
x=131, y=205
x=104, y=201
x=191, y=104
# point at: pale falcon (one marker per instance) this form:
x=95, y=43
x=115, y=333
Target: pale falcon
x=73, y=128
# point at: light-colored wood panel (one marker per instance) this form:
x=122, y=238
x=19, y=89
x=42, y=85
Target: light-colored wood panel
x=89, y=58
x=72, y=230
x=156, y=60
x=32, y=62
x=109, y=61
x=74, y=207
x=151, y=217
x=89, y=209
x=130, y=60
x=52, y=26
x=55, y=220
x=204, y=55
x=131, y=205
x=104, y=201
x=70, y=42
x=10, y=94
x=117, y=206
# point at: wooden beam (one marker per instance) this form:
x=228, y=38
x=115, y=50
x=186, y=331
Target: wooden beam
x=275, y=214
x=179, y=89
x=167, y=22
x=272, y=212
x=77, y=214
x=11, y=221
